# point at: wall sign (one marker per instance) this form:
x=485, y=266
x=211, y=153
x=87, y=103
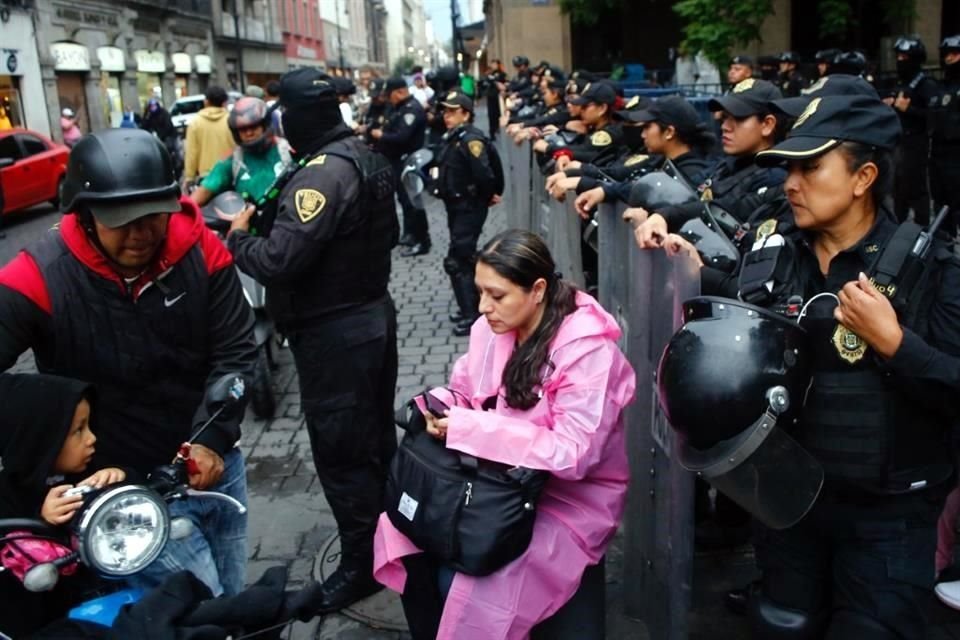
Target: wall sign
x=181, y=63
x=69, y=56
x=111, y=59
x=202, y=61
x=150, y=61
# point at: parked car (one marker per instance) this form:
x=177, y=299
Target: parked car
x=184, y=110
x=31, y=169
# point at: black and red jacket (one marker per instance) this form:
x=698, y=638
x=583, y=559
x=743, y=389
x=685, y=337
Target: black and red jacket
x=150, y=346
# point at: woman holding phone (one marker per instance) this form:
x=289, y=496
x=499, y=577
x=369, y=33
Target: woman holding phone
x=542, y=386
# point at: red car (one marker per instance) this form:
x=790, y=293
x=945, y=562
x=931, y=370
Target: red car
x=31, y=169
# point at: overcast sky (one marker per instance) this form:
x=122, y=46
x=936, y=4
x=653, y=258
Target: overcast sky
x=439, y=10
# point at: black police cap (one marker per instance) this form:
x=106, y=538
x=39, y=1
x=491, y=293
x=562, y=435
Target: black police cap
x=394, y=83
x=634, y=109
x=838, y=84
x=749, y=97
x=741, y=59
x=457, y=100
x=343, y=86
x=671, y=111
x=376, y=87
x=306, y=86
x=557, y=83
x=519, y=61
x=598, y=92
x=829, y=121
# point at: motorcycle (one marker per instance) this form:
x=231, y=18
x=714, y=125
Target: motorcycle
x=218, y=214
x=119, y=530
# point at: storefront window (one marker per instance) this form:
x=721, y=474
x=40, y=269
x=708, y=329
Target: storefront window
x=11, y=109
x=180, y=86
x=112, y=104
x=148, y=86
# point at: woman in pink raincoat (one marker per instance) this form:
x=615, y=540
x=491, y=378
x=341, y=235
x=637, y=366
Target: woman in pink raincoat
x=543, y=386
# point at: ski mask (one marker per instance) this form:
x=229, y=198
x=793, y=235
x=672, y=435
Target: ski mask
x=311, y=112
x=908, y=69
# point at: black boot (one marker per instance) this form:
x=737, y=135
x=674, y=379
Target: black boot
x=407, y=240
x=466, y=293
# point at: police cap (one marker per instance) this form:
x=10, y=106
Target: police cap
x=394, y=83
x=306, y=86
x=749, y=97
x=670, y=111
x=598, y=92
x=576, y=86
x=634, y=109
x=376, y=87
x=557, y=83
x=741, y=59
x=457, y=100
x=839, y=84
x=343, y=86
x=519, y=61
x=831, y=120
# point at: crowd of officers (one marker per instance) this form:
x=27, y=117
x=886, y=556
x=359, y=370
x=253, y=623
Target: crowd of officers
x=866, y=577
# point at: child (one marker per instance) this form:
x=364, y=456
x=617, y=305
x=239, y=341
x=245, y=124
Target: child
x=45, y=440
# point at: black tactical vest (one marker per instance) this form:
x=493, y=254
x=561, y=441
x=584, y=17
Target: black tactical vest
x=354, y=267
x=145, y=356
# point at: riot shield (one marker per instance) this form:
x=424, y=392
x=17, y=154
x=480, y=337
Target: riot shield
x=659, y=520
x=563, y=237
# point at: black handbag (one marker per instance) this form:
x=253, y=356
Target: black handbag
x=474, y=515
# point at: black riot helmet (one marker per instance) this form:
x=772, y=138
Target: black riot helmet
x=790, y=56
x=826, y=55
x=950, y=44
x=730, y=382
x=519, y=61
x=913, y=47
x=117, y=166
x=852, y=63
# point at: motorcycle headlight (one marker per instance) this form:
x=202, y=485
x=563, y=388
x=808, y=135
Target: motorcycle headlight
x=122, y=530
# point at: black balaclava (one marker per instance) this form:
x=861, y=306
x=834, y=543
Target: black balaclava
x=951, y=72
x=908, y=69
x=38, y=411
x=309, y=127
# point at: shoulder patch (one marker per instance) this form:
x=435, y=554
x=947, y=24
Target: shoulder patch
x=319, y=160
x=310, y=203
x=476, y=148
x=409, y=118
x=744, y=85
x=600, y=139
x=635, y=159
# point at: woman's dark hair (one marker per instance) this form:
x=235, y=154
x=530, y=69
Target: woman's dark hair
x=859, y=154
x=698, y=138
x=522, y=258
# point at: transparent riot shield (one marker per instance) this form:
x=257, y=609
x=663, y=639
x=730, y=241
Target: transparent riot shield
x=524, y=171
x=659, y=520
x=563, y=237
x=540, y=204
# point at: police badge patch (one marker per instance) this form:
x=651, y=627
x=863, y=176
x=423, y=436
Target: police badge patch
x=635, y=159
x=310, y=203
x=476, y=148
x=849, y=345
x=601, y=139
x=409, y=119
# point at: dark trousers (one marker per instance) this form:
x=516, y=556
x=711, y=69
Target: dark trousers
x=945, y=182
x=348, y=372
x=493, y=115
x=911, y=190
x=465, y=220
x=414, y=218
x=871, y=560
x=428, y=582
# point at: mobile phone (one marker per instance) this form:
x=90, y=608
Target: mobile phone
x=434, y=406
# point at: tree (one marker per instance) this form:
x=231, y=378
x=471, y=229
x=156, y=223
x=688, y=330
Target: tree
x=587, y=12
x=715, y=27
x=403, y=66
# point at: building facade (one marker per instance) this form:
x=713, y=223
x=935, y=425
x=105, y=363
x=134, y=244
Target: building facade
x=538, y=30
x=302, y=31
x=249, y=46
x=22, y=99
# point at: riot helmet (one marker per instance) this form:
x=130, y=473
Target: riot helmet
x=950, y=45
x=914, y=55
x=852, y=63
x=730, y=382
x=519, y=61
x=824, y=58
x=251, y=112
x=790, y=56
x=114, y=167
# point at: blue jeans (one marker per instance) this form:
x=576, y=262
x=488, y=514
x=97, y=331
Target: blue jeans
x=216, y=549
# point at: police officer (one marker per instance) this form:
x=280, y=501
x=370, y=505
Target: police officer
x=326, y=265
x=912, y=97
x=791, y=80
x=375, y=115
x=403, y=133
x=470, y=180
x=741, y=68
x=824, y=59
x=945, y=146
x=494, y=84
x=521, y=64
x=884, y=341
x=603, y=142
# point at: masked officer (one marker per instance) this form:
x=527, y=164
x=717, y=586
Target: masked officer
x=824, y=58
x=326, y=265
x=878, y=305
x=470, y=179
x=945, y=146
x=404, y=133
x=912, y=97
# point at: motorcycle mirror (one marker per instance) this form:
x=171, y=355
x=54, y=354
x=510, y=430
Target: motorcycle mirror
x=225, y=393
x=41, y=577
x=180, y=528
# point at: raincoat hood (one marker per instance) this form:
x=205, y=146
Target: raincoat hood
x=213, y=113
x=38, y=411
x=588, y=320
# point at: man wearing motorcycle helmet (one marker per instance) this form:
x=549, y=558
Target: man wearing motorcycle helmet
x=259, y=157
x=133, y=294
x=912, y=97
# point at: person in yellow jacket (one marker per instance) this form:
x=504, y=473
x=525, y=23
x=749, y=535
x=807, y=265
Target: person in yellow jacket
x=208, y=136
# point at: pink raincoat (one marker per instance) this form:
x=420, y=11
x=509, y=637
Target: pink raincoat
x=575, y=432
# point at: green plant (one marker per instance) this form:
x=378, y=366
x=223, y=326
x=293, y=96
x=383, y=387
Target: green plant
x=403, y=66
x=715, y=27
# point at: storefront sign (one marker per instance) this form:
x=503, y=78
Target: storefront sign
x=111, y=59
x=306, y=52
x=69, y=56
x=10, y=62
x=150, y=61
x=203, y=63
x=86, y=16
x=181, y=63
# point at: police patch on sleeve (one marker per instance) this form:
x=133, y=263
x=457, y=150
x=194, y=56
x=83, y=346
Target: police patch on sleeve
x=635, y=159
x=409, y=118
x=310, y=203
x=601, y=139
x=476, y=148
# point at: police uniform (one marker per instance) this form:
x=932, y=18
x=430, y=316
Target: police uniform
x=404, y=134
x=492, y=80
x=375, y=115
x=326, y=265
x=792, y=82
x=945, y=145
x=602, y=145
x=859, y=562
x=911, y=183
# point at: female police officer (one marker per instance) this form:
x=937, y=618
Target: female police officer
x=885, y=348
